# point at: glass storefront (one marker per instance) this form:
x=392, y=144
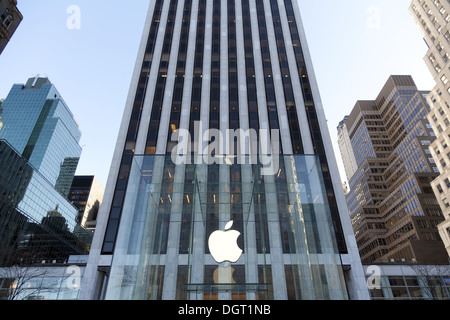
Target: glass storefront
x=226, y=230
x=402, y=287
x=40, y=283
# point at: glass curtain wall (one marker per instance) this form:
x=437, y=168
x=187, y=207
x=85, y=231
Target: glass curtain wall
x=286, y=248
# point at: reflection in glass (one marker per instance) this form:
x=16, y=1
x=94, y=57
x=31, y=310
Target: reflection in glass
x=37, y=223
x=287, y=236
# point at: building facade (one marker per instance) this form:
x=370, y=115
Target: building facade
x=408, y=281
x=393, y=209
x=39, y=153
x=43, y=282
x=433, y=18
x=10, y=18
x=86, y=194
x=346, y=150
x=37, y=224
x=223, y=130
x=38, y=124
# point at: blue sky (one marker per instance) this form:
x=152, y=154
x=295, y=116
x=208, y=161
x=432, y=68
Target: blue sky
x=355, y=46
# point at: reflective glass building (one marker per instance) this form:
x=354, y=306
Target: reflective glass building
x=223, y=131
x=36, y=121
x=37, y=224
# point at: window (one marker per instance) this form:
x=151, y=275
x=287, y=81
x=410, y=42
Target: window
x=437, y=151
x=446, y=204
x=447, y=122
x=432, y=58
x=422, y=224
x=4, y=15
x=446, y=58
x=447, y=182
x=7, y=22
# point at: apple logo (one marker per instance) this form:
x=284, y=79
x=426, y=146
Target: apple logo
x=223, y=244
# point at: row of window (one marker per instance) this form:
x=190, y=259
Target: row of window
x=412, y=287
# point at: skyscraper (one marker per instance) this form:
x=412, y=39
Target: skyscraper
x=38, y=124
x=39, y=153
x=10, y=18
x=393, y=209
x=223, y=131
x=345, y=146
x=86, y=193
x=37, y=224
x=432, y=17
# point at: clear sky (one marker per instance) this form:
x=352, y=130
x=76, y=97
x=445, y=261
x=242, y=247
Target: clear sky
x=355, y=46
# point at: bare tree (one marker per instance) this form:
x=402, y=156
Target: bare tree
x=21, y=279
x=433, y=286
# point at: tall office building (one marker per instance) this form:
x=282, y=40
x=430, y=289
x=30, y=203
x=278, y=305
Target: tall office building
x=193, y=211
x=393, y=209
x=86, y=193
x=37, y=224
x=345, y=147
x=433, y=18
x=39, y=153
x=10, y=18
x=38, y=124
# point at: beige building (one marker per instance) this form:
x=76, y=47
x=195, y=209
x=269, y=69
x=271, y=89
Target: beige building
x=393, y=209
x=86, y=194
x=10, y=18
x=432, y=17
x=346, y=150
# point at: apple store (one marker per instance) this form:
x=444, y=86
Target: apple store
x=225, y=230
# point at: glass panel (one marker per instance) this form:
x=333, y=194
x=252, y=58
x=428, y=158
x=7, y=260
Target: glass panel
x=227, y=230
x=416, y=292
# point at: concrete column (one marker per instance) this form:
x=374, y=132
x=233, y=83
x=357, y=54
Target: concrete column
x=161, y=144
x=141, y=140
x=278, y=274
x=251, y=259
x=295, y=78
x=224, y=169
x=197, y=256
x=171, y=269
x=278, y=84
